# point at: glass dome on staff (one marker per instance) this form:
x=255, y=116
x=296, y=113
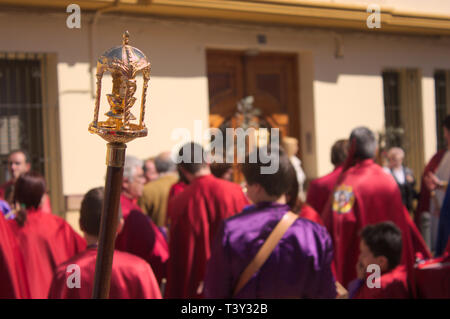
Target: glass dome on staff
x=123, y=62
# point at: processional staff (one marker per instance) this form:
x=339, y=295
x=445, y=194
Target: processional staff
x=123, y=62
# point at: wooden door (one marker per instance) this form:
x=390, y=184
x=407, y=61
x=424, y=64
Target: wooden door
x=271, y=78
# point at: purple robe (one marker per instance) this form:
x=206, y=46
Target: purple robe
x=299, y=266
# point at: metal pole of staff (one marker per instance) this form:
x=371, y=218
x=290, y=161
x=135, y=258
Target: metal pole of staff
x=108, y=225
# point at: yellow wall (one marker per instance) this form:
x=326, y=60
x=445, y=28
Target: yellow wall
x=429, y=6
x=336, y=94
x=72, y=217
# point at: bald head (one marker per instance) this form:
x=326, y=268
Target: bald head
x=395, y=157
x=164, y=163
x=396, y=152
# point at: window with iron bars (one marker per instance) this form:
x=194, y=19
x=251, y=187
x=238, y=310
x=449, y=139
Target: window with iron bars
x=393, y=135
x=21, y=110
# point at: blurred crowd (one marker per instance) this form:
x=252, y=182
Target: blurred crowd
x=188, y=230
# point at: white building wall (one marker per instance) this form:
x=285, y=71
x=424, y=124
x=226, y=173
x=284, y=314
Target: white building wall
x=344, y=92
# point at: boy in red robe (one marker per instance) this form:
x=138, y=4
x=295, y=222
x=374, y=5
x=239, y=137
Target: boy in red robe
x=45, y=240
x=380, y=246
x=365, y=195
x=131, y=276
x=13, y=276
x=196, y=215
x=319, y=190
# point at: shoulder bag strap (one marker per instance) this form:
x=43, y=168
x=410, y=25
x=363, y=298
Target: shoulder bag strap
x=264, y=252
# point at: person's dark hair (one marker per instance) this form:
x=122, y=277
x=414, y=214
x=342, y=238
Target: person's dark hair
x=219, y=169
x=182, y=177
x=276, y=184
x=164, y=163
x=191, y=157
x=339, y=152
x=366, y=144
x=447, y=122
x=25, y=153
x=384, y=239
x=91, y=211
x=28, y=192
x=292, y=198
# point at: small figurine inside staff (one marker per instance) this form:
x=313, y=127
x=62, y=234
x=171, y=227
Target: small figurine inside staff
x=124, y=62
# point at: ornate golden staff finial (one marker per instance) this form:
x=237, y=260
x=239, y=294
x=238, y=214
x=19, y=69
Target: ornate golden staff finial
x=126, y=37
x=123, y=62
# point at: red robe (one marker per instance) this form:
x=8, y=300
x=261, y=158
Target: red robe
x=394, y=285
x=141, y=237
x=174, y=191
x=321, y=188
x=131, y=278
x=197, y=213
x=423, y=204
x=128, y=204
x=308, y=212
x=46, y=241
x=433, y=277
x=176, y=188
x=367, y=195
x=13, y=276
